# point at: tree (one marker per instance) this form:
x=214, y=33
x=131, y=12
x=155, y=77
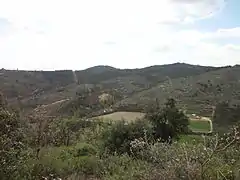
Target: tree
x=226, y=114
x=168, y=122
x=106, y=100
x=3, y=102
x=11, y=143
x=119, y=136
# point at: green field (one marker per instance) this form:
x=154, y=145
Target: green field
x=200, y=126
x=194, y=125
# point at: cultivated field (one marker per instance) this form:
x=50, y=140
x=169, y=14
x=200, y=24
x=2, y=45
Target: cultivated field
x=196, y=125
x=127, y=116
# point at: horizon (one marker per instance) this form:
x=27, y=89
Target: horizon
x=32, y=70
x=37, y=35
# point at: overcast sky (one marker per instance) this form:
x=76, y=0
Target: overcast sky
x=77, y=34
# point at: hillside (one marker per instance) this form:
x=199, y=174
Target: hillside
x=156, y=73
x=194, y=93
x=129, y=81
x=32, y=88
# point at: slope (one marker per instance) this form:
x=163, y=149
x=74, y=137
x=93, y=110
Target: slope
x=194, y=93
x=30, y=89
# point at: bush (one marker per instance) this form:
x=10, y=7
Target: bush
x=59, y=132
x=212, y=158
x=124, y=167
x=226, y=114
x=61, y=162
x=119, y=136
x=11, y=144
x=84, y=149
x=168, y=122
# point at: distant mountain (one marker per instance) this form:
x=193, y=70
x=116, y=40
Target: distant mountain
x=99, y=69
x=29, y=89
x=153, y=73
x=197, y=93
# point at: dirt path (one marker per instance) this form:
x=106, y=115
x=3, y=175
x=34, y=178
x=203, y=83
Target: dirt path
x=55, y=103
x=75, y=78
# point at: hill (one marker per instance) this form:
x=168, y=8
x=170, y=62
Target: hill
x=158, y=73
x=32, y=88
x=197, y=94
x=124, y=83
x=49, y=86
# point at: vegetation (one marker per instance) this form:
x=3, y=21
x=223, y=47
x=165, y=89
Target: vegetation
x=226, y=114
x=52, y=135
x=168, y=122
x=195, y=125
x=196, y=94
x=29, y=89
x=119, y=136
x=76, y=148
x=11, y=143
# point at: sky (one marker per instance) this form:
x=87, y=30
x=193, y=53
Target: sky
x=77, y=34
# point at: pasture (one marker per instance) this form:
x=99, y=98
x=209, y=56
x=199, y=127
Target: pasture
x=196, y=125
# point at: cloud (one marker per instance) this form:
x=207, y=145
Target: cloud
x=193, y=46
x=4, y=22
x=232, y=47
x=224, y=33
x=109, y=43
x=162, y=49
x=76, y=34
x=192, y=10
x=5, y=26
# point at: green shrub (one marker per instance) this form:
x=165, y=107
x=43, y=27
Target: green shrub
x=88, y=165
x=83, y=149
x=212, y=158
x=124, y=167
x=168, y=122
x=119, y=136
x=11, y=144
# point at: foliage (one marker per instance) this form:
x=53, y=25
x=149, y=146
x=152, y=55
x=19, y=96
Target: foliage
x=63, y=131
x=11, y=144
x=215, y=157
x=79, y=148
x=226, y=114
x=3, y=101
x=168, y=122
x=137, y=155
x=118, y=137
x=196, y=94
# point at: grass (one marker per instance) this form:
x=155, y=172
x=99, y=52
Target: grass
x=199, y=125
x=195, y=125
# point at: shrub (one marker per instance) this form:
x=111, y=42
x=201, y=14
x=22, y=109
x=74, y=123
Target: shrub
x=11, y=144
x=61, y=162
x=215, y=157
x=119, y=136
x=168, y=122
x=84, y=149
x=226, y=114
x=124, y=167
